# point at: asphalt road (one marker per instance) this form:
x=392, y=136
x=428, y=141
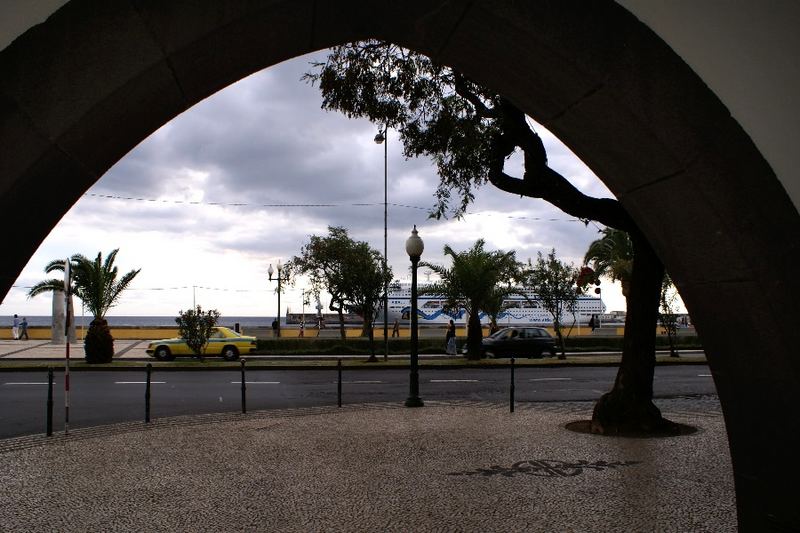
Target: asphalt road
x=98, y=398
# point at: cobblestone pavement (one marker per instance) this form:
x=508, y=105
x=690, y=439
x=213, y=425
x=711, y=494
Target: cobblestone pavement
x=455, y=466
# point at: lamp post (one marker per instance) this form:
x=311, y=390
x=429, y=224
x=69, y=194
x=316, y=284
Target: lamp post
x=414, y=248
x=279, y=279
x=381, y=138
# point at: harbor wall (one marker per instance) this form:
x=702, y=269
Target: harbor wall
x=42, y=333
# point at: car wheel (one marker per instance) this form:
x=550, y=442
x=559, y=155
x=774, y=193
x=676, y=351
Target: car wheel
x=535, y=354
x=230, y=353
x=162, y=353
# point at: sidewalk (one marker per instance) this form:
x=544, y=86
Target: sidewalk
x=444, y=467
x=133, y=350
x=38, y=349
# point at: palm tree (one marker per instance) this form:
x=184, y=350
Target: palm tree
x=95, y=283
x=612, y=256
x=97, y=286
x=472, y=283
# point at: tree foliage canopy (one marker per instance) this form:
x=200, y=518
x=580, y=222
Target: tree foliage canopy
x=195, y=327
x=466, y=129
x=93, y=281
x=554, y=283
x=350, y=271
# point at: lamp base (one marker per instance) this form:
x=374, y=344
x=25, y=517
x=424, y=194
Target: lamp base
x=414, y=401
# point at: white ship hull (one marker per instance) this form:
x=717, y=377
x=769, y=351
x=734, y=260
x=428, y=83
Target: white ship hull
x=519, y=310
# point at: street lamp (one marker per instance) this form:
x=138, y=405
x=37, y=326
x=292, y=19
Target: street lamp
x=279, y=279
x=381, y=138
x=414, y=248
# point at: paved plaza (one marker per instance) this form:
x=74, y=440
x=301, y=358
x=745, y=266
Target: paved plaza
x=446, y=467
x=44, y=349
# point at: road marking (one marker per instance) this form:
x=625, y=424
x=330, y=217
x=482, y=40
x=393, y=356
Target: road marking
x=26, y=383
x=138, y=382
x=257, y=382
x=550, y=379
x=704, y=375
x=454, y=381
x=363, y=382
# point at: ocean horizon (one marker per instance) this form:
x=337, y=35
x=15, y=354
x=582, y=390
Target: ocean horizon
x=145, y=321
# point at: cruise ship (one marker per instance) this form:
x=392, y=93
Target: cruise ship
x=519, y=309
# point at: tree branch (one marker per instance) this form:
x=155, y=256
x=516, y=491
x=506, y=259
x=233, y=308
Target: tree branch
x=481, y=109
x=541, y=181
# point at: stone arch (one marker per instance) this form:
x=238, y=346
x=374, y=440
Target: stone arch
x=80, y=90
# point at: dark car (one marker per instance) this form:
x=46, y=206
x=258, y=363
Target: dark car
x=519, y=342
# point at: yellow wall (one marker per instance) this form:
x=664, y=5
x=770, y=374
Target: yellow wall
x=125, y=333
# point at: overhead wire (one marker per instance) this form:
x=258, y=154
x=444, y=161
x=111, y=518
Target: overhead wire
x=315, y=205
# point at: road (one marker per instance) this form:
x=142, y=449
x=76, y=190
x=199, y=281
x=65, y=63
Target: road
x=98, y=398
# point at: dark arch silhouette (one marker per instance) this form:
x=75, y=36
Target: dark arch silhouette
x=82, y=89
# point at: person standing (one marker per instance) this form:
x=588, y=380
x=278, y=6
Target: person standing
x=396, y=329
x=23, y=329
x=450, y=339
x=15, y=328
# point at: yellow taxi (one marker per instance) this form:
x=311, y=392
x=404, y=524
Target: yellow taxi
x=223, y=342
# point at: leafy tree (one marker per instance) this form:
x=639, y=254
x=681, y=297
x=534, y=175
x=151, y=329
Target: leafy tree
x=469, y=132
x=474, y=282
x=668, y=317
x=554, y=283
x=365, y=269
x=195, y=327
x=350, y=271
x=95, y=283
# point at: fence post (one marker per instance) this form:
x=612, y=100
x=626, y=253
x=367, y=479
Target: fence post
x=244, y=389
x=50, y=401
x=339, y=382
x=147, y=394
x=512, y=384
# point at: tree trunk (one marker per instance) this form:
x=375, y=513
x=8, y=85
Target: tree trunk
x=557, y=327
x=342, y=331
x=474, y=336
x=629, y=405
x=368, y=325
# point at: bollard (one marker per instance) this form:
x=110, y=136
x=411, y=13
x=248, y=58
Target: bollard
x=339, y=383
x=147, y=395
x=512, y=384
x=244, y=389
x=50, y=401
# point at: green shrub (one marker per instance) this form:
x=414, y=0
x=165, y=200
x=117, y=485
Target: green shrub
x=359, y=346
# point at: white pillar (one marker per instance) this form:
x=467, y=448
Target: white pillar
x=57, y=329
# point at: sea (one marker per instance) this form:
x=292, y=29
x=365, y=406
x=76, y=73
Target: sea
x=146, y=321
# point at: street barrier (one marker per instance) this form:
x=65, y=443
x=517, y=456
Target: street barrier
x=50, y=401
x=244, y=388
x=147, y=394
x=512, y=385
x=339, y=385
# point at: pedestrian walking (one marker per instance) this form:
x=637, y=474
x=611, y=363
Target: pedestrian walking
x=15, y=328
x=450, y=339
x=396, y=329
x=275, y=328
x=23, y=329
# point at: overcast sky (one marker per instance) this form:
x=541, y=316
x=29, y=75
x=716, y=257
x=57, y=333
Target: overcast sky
x=261, y=142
